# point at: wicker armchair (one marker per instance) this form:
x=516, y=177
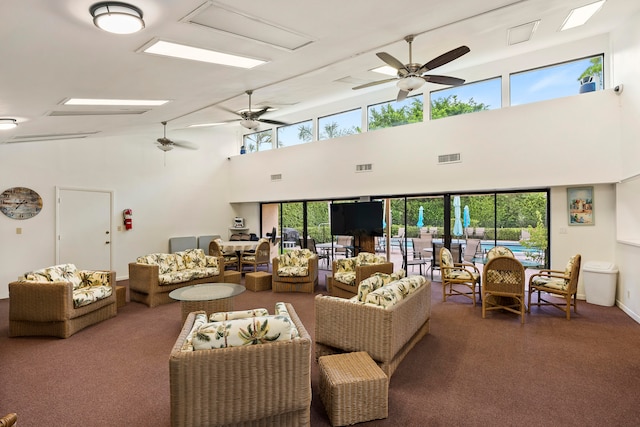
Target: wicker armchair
x=47, y=308
x=230, y=258
x=295, y=271
x=259, y=257
x=503, y=286
x=264, y=384
x=560, y=283
x=457, y=274
x=361, y=271
x=9, y=420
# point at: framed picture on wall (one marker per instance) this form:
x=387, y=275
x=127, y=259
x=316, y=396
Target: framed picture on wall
x=580, y=203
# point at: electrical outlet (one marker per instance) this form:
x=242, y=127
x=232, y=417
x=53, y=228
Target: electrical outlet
x=18, y=230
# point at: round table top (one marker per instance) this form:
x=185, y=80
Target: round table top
x=239, y=245
x=207, y=292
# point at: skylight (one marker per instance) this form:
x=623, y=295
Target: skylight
x=580, y=15
x=119, y=102
x=176, y=50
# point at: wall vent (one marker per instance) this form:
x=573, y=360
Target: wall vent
x=449, y=158
x=367, y=167
x=276, y=177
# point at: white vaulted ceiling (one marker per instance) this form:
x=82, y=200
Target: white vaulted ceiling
x=315, y=52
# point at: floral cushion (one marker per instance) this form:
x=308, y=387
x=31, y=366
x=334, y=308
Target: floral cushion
x=241, y=332
x=345, y=265
x=346, y=277
x=56, y=273
x=230, y=315
x=550, y=282
x=462, y=274
x=281, y=309
x=201, y=319
x=499, y=251
x=94, y=278
x=190, y=258
x=89, y=294
x=186, y=275
x=376, y=281
x=166, y=262
x=389, y=295
x=367, y=258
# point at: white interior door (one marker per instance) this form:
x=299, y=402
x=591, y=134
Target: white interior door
x=84, y=228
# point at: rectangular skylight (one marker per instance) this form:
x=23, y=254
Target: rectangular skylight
x=386, y=70
x=580, y=15
x=119, y=102
x=176, y=50
x=202, y=125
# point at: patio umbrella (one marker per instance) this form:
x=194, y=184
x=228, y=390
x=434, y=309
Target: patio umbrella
x=420, y=217
x=457, y=226
x=466, y=219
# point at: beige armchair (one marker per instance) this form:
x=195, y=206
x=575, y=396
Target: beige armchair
x=261, y=256
x=263, y=384
x=559, y=283
x=295, y=271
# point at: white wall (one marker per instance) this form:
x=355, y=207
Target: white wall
x=188, y=196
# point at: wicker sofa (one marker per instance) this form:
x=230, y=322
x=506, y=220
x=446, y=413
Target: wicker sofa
x=262, y=384
x=349, y=272
x=59, y=301
x=295, y=271
x=153, y=276
x=387, y=333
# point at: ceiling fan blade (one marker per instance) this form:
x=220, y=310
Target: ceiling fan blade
x=272, y=122
x=445, y=58
x=443, y=80
x=375, y=83
x=402, y=95
x=391, y=61
x=186, y=144
x=256, y=114
x=229, y=110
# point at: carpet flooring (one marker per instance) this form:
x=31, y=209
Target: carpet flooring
x=468, y=371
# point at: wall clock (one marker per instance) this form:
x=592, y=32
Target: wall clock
x=20, y=203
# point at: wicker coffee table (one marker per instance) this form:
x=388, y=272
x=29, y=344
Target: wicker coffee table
x=210, y=297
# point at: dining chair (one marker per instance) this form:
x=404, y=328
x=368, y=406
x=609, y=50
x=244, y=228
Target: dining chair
x=456, y=275
x=503, y=286
x=422, y=249
x=413, y=261
x=499, y=251
x=347, y=246
x=230, y=258
x=561, y=283
x=260, y=257
x=456, y=252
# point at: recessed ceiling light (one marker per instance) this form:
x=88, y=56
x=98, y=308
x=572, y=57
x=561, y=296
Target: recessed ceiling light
x=580, y=15
x=119, y=102
x=8, y=124
x=117, y=17
x=202, y=125
x=521, y=33
x=176, y=50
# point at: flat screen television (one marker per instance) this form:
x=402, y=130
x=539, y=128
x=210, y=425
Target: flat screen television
x=357, y=219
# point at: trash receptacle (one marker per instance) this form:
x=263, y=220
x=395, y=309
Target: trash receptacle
x=600, y=279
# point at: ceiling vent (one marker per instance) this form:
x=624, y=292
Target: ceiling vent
x=366, y=167
x=276, y=177
x=49, y=137
x=449, y=158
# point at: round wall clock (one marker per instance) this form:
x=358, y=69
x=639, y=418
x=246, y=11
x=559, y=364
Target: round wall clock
x=20, y=203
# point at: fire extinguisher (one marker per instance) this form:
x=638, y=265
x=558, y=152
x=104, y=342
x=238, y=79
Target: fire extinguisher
x=128, y=221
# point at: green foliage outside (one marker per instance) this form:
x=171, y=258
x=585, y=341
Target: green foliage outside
x=537, y=243
x=386, y=116
x=595, y=70
x=452, y=106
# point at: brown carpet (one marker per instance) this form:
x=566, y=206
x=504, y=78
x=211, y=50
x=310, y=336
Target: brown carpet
x=468, y=372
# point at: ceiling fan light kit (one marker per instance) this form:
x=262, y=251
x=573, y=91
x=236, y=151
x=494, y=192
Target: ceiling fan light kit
x=117, y=17
x=6, y=124
x=410, y=83
x=249, y=124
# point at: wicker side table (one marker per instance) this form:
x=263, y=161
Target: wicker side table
x=258, y=281
x=232, y=276
x=353, y=388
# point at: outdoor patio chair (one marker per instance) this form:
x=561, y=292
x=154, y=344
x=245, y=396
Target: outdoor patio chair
x=456, y=275
x=472, y=249
x=414, y=260
x=479, y=233
x=456, y=252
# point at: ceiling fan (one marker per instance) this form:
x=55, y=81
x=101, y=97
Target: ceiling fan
x=165, y=144
x=251, y=119
x=412, y=76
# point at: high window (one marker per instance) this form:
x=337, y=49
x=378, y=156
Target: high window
x=341, y=124
x=392, y=113
x=556, y=81
x=468, y=98
x=258, y=141
x=295, y=134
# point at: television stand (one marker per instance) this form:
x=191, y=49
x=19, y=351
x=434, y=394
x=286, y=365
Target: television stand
x=364, y=244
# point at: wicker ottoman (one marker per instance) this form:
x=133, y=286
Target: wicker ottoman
x=232, y=276
x=258, y=281
x=353, y=388
x=121, y=296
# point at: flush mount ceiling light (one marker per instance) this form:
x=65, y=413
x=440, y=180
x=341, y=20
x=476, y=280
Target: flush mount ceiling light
x=8, y=124
x=581, y=15
x=117, y=17
x=410, y=83
x=249, y=124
